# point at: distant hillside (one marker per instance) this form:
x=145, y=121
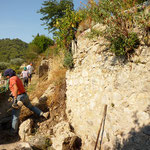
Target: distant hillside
x=10, y=49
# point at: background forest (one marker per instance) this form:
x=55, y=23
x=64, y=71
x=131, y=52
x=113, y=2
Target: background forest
x=15, y=52
x=10, y=49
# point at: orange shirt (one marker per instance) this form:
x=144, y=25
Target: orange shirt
x=15, y=80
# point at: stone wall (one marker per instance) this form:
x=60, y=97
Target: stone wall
x=100, y=78
x=43, y=68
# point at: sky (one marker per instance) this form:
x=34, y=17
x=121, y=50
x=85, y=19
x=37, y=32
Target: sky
x=19, y=19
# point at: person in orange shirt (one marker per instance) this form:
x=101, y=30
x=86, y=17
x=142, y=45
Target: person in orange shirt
x=20, y=98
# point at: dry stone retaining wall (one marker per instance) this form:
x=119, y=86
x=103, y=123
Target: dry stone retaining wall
x=100, y=78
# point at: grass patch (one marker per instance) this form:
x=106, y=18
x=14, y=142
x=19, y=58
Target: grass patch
x=31, y=88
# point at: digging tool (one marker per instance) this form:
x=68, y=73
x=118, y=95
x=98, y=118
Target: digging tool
x=19, y=105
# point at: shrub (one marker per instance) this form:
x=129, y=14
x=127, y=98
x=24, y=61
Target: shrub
x=118, y=45
x=16, y=68
x=142, y=18
x=51, y=51
x=68, y=60
x=16, y=61
x=31, y=53
x=132, y=41
x=3, y=66
x=42, y=42
x=123, y=45
x=33, y=48
x=119, y=19
x=93, y=34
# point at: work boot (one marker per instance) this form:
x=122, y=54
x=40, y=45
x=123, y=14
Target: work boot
x=20, y=103
x=17, y=105
x=45, y=115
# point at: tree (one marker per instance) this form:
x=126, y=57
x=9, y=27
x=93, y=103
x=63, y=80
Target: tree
x=42, y=42
x=52, y=10
x=67, y=27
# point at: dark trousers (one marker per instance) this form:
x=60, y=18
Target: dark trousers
x=25, y=81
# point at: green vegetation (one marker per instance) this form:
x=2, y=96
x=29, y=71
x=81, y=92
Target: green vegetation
x=12, y=53
x=40, y=43
x=61, y=19
x=53, y=10
x=31, y=87
x=31, y=52
x=52, y=51
x=94, y=34
x=3, y=65
x=11, y=49
x=118, y=16
x=123, y=45
x=67, y=27
x=143, y=21
x=68, y=60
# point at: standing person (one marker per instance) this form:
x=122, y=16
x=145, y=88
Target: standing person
x=20, y=98
x=30, y=70
x=25, y=75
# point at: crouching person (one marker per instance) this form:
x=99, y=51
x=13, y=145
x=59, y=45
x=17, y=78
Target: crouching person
x=20, y=98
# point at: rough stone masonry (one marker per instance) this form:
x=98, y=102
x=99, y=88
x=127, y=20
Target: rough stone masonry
x=100, y=78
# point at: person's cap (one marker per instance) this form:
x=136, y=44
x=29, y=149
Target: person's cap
x=9, y=72
x=25, y=68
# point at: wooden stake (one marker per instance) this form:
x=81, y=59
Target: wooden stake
x=103, y=118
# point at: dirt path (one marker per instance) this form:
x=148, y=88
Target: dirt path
x=15, y=146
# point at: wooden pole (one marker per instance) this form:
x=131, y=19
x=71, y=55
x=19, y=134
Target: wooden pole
x=104, y=114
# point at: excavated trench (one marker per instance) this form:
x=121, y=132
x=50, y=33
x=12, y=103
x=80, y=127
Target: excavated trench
x=5, y=120
x=56, y=109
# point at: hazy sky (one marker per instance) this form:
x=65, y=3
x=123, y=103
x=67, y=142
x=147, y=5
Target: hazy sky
x=19, y=19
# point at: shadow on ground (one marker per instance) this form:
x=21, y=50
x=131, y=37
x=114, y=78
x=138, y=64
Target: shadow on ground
x=6, y=138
